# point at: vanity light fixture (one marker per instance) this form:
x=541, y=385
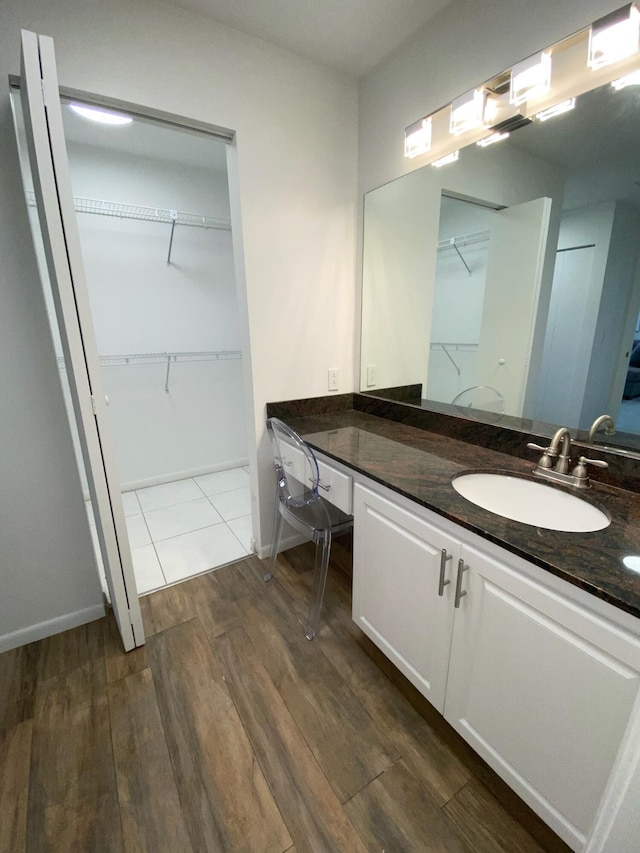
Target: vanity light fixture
x=417, y=138
x=467, y=111
x=100, y=115
x=557, y=110
x=632, y=79
x=490, y=140
x=614, y=37
x=444, y=161
x=530, y=78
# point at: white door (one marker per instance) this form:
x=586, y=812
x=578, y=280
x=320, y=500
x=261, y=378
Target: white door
x=514, y=272
x=542, y=689
x=403, y=579
x=52, y=185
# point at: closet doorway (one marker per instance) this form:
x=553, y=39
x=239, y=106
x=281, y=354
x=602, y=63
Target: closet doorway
x=152, y=339
x=152, y=205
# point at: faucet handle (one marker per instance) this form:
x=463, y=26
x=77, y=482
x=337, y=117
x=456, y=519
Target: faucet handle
x=597, y=463
x=580, y=471
x=546, y=460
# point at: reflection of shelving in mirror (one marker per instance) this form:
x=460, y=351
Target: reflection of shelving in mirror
x=461, y=241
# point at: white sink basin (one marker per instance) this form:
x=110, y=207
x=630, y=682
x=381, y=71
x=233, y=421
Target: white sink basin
x=531, y=502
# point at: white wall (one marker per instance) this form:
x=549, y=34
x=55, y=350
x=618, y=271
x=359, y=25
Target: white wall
x=296, y=126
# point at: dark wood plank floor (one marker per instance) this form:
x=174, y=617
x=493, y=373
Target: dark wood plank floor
x=230, y=731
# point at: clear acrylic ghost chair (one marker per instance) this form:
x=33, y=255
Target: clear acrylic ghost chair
x=299, y=503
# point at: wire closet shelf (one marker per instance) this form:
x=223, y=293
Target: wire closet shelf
x=166, y=358
x=140, y=212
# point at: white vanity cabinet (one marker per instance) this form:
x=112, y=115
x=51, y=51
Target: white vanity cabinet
x=541, y=685
x=399, y=598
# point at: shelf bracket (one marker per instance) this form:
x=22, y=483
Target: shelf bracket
x=166, y=378
x=448, y=355
x=174, y=215
x=461, y=258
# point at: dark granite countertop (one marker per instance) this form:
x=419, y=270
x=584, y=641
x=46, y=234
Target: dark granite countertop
x=420, y=464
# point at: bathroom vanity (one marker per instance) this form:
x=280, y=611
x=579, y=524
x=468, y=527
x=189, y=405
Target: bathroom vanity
x=526, y=640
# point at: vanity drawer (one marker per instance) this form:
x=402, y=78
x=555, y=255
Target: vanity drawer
x=336, y=487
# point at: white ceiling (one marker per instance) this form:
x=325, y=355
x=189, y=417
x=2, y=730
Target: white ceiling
x=350, y=35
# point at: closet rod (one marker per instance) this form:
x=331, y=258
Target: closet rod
x=146, y=214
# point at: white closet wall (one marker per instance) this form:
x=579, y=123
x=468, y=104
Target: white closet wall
x=142, y=305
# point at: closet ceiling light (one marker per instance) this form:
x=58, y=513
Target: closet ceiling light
x=417, y=138
x=530, y=78
x=557, y=110
x=614, y=37
x=100, y=115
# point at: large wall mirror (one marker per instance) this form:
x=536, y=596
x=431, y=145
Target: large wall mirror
x=507, y=284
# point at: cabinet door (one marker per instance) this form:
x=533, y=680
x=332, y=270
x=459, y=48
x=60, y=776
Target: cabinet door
x=396, y=601
x=542, y=689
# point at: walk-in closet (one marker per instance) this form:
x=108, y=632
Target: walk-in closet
x=153, y=213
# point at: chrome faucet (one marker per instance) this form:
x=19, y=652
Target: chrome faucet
x=559, y=472
x=607, y=421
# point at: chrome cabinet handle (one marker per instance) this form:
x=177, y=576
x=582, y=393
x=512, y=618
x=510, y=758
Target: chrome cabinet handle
x=320, y=486
x=444, y=559
x=459, y=591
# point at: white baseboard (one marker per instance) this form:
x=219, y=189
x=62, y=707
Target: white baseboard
x=51, y=627
x=285, y=544
x=182, y=475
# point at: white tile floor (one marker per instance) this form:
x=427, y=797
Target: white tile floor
x=179, y=529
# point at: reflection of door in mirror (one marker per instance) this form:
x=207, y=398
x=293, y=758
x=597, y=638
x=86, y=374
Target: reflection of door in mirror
x=488, y=281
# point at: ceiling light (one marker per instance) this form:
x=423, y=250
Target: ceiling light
x=557, y=110
x=632, y=79
x=490, y=140
x=100, y=115
x=417, y=138
x=444, y=161
x=467, y=111
x=614, y=37
x=530, y=78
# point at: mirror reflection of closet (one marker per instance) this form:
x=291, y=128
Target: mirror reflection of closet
x=458, y=296
x=487, y=292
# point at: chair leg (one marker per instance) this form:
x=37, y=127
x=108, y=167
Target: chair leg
x=323, y=552
x=278, y=522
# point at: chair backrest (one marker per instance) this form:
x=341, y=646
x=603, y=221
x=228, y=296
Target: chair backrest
x=296, y=465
